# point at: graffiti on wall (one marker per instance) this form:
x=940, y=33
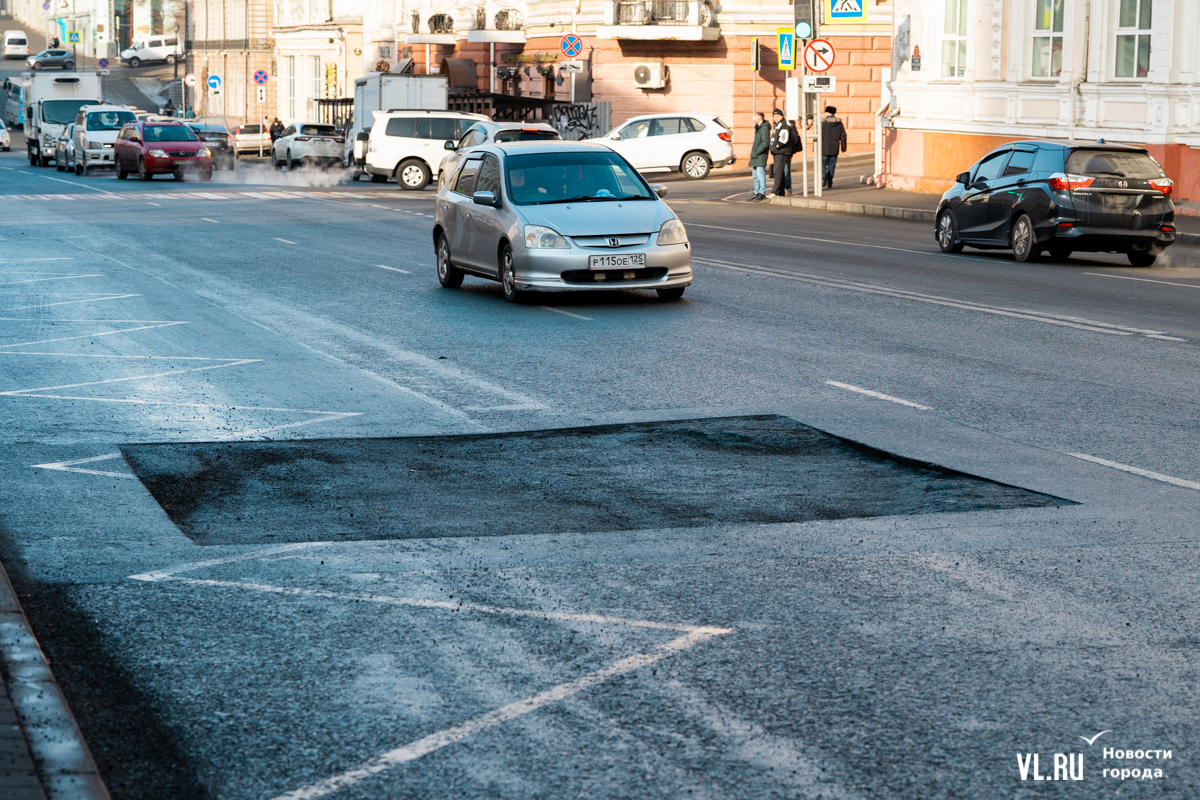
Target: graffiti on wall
x=577, y=121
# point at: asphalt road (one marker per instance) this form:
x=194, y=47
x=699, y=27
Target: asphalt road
x=900, y=656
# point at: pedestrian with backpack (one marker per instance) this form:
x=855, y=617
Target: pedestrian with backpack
x=785, y=142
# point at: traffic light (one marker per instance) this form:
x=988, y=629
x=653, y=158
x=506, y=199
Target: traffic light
x=806, y=19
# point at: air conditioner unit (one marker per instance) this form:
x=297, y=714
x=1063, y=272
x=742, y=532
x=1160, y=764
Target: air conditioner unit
x=650, y=75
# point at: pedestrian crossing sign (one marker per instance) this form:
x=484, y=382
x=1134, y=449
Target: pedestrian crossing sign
x=787, y=48
x=73, y=37
x=847, y=11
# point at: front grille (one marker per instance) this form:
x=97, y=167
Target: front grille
x=181, y=153
x=613, y=276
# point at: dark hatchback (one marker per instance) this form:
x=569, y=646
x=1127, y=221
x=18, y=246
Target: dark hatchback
x=217, y=138
x=1043, y=196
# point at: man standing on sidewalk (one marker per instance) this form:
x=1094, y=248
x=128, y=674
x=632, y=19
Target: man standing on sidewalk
x=833, y=141
x=784, y=143
x=758, y=155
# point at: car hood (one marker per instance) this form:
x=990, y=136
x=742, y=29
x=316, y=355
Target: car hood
x=600, y=219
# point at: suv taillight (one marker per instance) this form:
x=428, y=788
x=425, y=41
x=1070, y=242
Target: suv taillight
x=1065, y=183
x=725, y=136
x=1164, y=185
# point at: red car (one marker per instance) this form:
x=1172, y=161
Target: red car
x=155, y=147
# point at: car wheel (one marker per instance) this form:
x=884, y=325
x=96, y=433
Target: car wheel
x=206, y=175
x=170, y=60
x=36, y=65
x=68, y=66
x=670, y=293
x=508, y=276
x=1060, y=253
x=143, y=173
x=449, y=275
x=696, y=165
x=947, y=233
x=135, y=62
x=177, y=175
x=412, y=175
x=32, y=159
x=80, y=169
x=1142, y=258
x=60, y=164
x=1022, y=241
x=121, y=173
x=379, y=178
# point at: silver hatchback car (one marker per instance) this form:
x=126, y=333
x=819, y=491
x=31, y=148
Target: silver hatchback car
x=553, y=217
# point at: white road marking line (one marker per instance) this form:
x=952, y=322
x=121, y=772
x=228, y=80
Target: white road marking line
x=155, y=204
x=285, y=241
x=74, y=183
x=394, y=269
x=878, y=395
x=94, y=335
x=1145, y=473
x=25, y=260
x=62, y=278
x=520, y=407
x=158, y=575
x=968, y=305
x=70, y=302
x=330, y=416
x=206, y=219
x=107, y=355
x=10, y=169
x=810, y=239
x=1143, y=280
x=564, y=313
x=69, y=466
x=28, y=392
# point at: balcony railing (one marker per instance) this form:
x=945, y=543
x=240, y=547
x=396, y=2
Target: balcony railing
x=656, y=12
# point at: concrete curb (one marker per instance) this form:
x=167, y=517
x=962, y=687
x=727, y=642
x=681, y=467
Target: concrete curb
x=62, y=759
x=908, y=214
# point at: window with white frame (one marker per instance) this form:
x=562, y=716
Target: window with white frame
x=954, y=39
x=1133, y=39
x=1048, y=38
x=291, y=87
x=317, y=92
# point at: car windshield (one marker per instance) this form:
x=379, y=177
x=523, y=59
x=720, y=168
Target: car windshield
x=542, y=178
x=108, y=120
x=317, y=130
x=62, y=112
x=169, y=133
x=1113, y=164
x=525, y=136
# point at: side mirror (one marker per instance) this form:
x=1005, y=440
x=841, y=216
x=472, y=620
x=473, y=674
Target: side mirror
x=964, y=178
x=135, y=140
x=485, y=199
x=617, y=138
x=363, y=136
x=659, y=189
x=449, y=145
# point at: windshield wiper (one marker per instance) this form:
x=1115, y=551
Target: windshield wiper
x=635, y=197
x=580, y=199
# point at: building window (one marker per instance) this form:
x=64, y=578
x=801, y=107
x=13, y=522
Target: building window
x=954, y=40
x=1133, y=39
x=291, y=87
x=317, y=92
x=1048, y=38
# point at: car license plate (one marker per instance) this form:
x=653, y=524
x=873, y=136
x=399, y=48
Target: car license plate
x=624, y=261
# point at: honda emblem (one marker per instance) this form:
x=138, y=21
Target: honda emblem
x=1123, y=184
x=613, y=241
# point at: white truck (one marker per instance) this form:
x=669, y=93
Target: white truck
x=51, y=104
x=386, y=92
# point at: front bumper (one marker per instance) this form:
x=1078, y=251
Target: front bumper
x=98, y=158
x=1118, y=240
x=171, y=164
x=567, y=270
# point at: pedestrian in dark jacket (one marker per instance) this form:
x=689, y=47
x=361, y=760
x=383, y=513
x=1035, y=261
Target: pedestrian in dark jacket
x=785, y=142
x=833, y=141
x=276, y=129
x=758, y=155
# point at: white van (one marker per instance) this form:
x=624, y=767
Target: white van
x=14, y=107
x=408, y=145
x=156, y=48
x=16, y=44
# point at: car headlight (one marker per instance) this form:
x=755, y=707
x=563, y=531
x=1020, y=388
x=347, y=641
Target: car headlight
x=672, y=232
x=204, y=152
x=540, y=237
x=157, y=154
x=95, y=146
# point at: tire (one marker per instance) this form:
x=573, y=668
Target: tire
x=1142, y=258
x=412, y=175
x=80, y=170
x=449, y=276
x=206, y=176
x=379, y=178
x=1022, y=241
x=36, y=66
x=1060, y=253
x=947, y=233
x=291, y=165
x=670, y=293
x=121, y=173
x=143, y=173
x=43, y=160
x=696, y=165
x=60, y=164
x=508, y=281
x=135, y=62
x=68, y=66
x=170, y=60
x=177, y=175
x=32, y=158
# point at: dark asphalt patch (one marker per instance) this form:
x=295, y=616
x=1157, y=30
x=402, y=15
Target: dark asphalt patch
x=677, y=474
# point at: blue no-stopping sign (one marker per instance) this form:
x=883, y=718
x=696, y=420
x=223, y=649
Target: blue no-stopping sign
x=571, y=45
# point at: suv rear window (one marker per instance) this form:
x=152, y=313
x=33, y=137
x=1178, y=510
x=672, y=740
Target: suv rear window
x=1113, y=164
x=525, y=136
x=317, y=130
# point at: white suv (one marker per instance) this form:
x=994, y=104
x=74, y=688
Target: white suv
x=408, y=145
x=156, y=48
x=689, y=143
x=96, y=129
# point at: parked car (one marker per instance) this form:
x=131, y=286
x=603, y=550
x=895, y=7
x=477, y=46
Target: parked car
x=156, y=48
x=693, y=144
x=5, y=137
x=64, y=149
x=16, y=44
x=249, y=138
x=407, y=145
x=96, y=130
x=488, y=132
x=51, y=58
x=159, y=147
x=553, y=217
x=1034, y=196
x=216, y=137
x=310, y=143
